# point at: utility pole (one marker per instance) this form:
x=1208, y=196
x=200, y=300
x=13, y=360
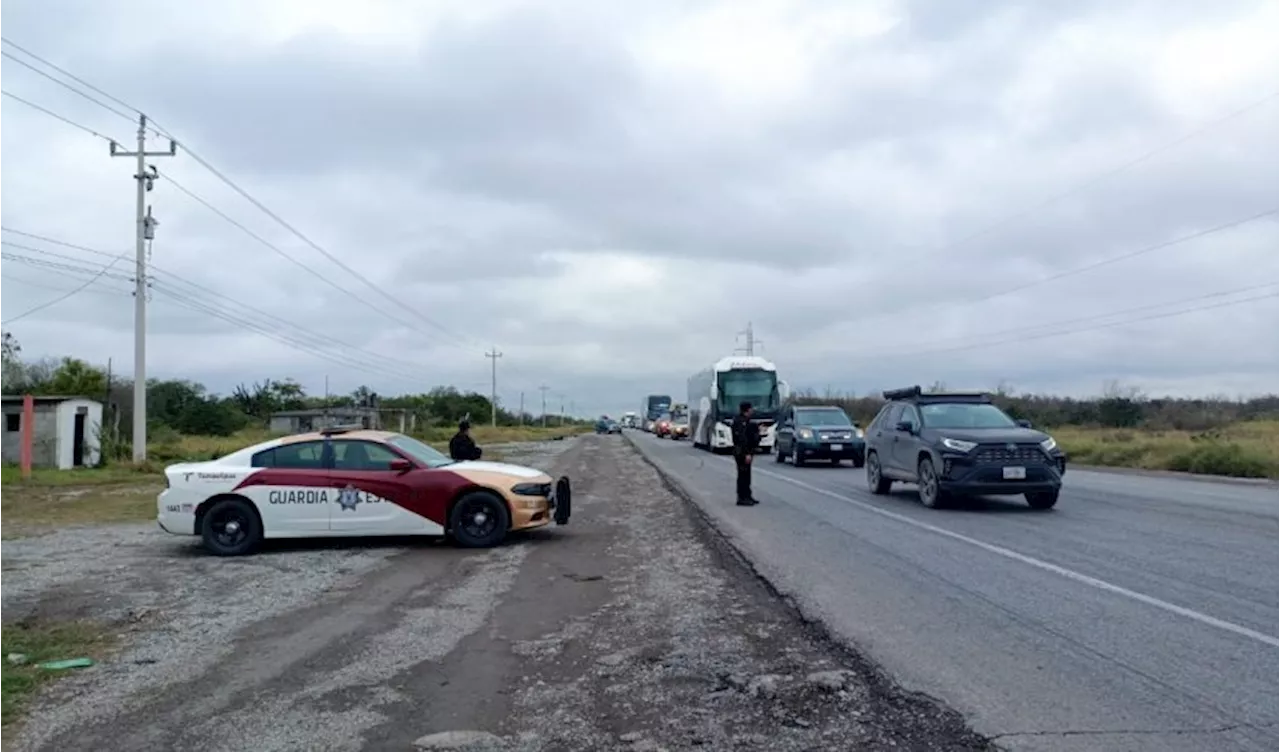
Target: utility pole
x=562, y=410
x=522, y=407
x=146, y=178
x=544, y=389
x=493, y=400
x=752, y=342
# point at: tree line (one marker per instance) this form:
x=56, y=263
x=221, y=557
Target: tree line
x=1118, y=406
x=188, y=407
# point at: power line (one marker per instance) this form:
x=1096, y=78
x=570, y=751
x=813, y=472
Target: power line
x=69, y=75
x=291, y=342
x=323, y=340
x=68, y=86
x=1101, y=177
x=915, y=308
x=283, y=254
x=1125, y=256
x=56, y=116
x=1111, y=325
x=61, y=298
x=1111, y=314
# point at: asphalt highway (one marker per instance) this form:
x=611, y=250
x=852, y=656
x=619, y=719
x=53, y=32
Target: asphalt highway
x=1139, y=614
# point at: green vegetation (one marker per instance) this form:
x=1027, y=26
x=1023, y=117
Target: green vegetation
x=39, y=643
x=1124, y=428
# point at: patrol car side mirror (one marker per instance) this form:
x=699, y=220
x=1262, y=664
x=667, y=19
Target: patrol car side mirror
x=400, y=465
x=905, y=426
x=1023, y=423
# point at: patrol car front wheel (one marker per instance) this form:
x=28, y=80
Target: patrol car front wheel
x=479, y=520
x=231, y=528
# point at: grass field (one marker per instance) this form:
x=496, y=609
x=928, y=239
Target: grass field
x=1244, y=450
x=49, y=642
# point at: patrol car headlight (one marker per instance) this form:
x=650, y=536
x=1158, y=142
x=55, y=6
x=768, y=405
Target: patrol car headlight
x=532, y=489
x=1049, y=444
x=959, y=445
x=857, y=432
x=805, y=433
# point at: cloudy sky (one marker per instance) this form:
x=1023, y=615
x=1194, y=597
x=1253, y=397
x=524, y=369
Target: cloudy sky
x=891, y=192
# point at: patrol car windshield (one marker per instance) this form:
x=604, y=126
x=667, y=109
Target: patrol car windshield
x=965, y=415
x=419, y=451
x=828, y=417
x=760, y=388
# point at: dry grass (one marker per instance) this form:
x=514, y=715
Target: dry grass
x=40, y=643
x=1248, y=450
x=29, y=507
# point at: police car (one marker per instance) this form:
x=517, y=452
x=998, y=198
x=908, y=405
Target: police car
x=353, y=482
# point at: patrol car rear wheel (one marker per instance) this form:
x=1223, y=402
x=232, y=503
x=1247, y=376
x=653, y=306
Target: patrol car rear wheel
x=479, y=520
x=231, y=528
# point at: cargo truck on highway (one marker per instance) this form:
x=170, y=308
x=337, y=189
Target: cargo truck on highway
x=715, y=393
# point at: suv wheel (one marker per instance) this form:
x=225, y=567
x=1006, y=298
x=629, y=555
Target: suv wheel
x=778, y=456
x=795, y=456
x=875, y=478
x=1042, y=499
x=927, y=480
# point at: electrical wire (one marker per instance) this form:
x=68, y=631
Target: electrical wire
x=68, y=74
x=307, y=342
x=63, y=297
x=185, y=301
x=1063, y=332
x=68, y=87
x=1137, y=309
x=1110, y=173
x=280, y=252
x=56, y=116
x=238, y=304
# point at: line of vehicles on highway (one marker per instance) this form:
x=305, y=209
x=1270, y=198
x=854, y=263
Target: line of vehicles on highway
x=949, y=444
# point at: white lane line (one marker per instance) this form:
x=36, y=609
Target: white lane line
x=1070, y=574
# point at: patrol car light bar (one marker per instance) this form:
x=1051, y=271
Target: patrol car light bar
x=335, y=430
x=904, y=393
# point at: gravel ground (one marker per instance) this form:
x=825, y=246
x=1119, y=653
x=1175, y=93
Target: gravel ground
x=631, y=628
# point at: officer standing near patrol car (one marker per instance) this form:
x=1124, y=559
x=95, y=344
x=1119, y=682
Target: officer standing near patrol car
x=746, y=438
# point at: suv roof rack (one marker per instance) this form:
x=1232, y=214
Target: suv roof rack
x=916, y=394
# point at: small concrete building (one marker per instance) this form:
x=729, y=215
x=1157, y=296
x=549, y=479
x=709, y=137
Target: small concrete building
x=66, y=432
x=303, y=421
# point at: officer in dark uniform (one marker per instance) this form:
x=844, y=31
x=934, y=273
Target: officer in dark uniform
x=462, y=447
x=746, y=437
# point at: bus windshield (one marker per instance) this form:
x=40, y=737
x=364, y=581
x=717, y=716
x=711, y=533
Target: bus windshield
x=658, y=404
x=760, y=388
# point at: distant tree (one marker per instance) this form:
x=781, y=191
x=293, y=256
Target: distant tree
x=75, y=377
x=11, y=371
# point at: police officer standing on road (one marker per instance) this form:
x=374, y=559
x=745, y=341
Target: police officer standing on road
x=746, y=437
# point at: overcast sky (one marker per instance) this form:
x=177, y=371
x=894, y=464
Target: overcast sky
x=608, y=192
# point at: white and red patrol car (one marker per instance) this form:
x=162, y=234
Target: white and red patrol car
x=342, y=482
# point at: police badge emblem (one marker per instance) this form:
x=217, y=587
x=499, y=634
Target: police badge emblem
x=349, y=497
